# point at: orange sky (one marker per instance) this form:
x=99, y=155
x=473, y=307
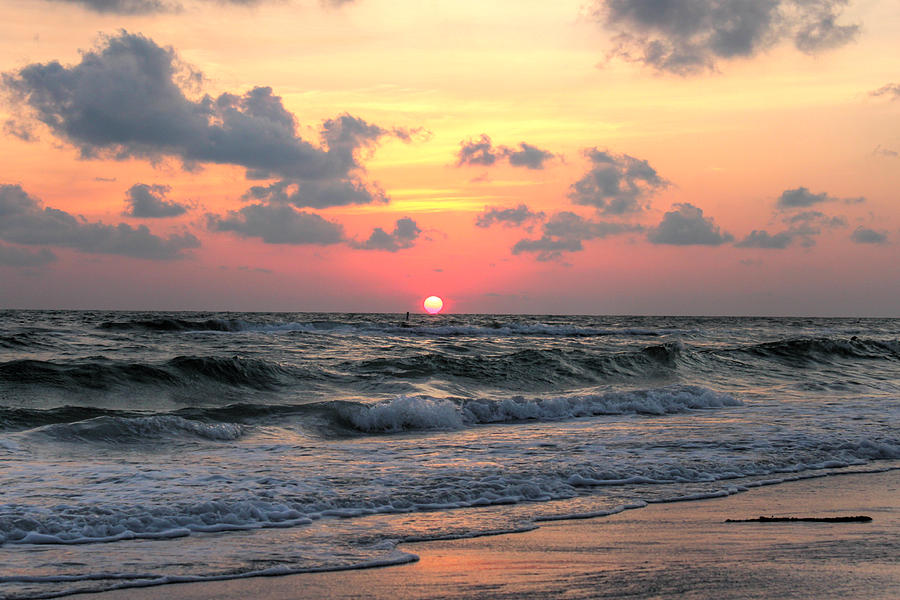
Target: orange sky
x=777, y=128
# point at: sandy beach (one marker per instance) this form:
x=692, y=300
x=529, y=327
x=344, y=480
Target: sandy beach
x=683, y=549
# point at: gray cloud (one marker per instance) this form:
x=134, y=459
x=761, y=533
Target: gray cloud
x=318, y=194
x=149, y=202
x=891, y=90
x=801, y=197
x=690, y=36
x=482, y=152
x=513, y=217
x=18, y=129
x=864, y=235
x=803, y=227
x=879, y=151
x=616, y=183
x=11, y=256
x=404, y=236
x=278, y=224
x=125, y=99
x=23, y=221
x=144, y=7
x=686, y=226
x=762, y=239
x=528, y=156
x=565, y=232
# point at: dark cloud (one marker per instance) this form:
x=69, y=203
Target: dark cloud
x=11, y=256
x=891, y=90
x=278, y=224
x=149, y=202
x=404, y=236
x=126, y=99
x=864, y=235
x=762, y=239
x=23, y=221
x=144, y=7
x=528, y=156
x=690, y=36
x=565, y=232
x=879, y=151
x=318, y=194
x=513, y=217
x=686, y=226
x=616, y=183
x=482, y=152
x=801, y=197
x=803, y=227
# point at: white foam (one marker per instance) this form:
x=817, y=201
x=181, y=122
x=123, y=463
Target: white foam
x=422, y=413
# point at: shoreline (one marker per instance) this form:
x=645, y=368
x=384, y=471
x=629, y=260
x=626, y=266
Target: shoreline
x=683, y=548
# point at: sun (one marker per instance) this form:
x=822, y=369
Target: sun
x=433, y=305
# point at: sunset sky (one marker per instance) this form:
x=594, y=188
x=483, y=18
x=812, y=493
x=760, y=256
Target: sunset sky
x=709, y=157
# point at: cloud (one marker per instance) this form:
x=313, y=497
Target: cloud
x=404, y=236
x=278, y=224
x=891, y=90
x=11, y=256
x=126, y=99
x=149, y=202
x=863, y=235
x=879, y=151
x=762, y=239
x=691, y=36
x=801, y=197
x=686, y=226
x=145, y=7
x=803, y=228
x=23, y=221
x=18, y=129
x=318, y=194
x=510, y=217
x=565, y=232
x=528, y=156
x=482, y=152
x=616, y=183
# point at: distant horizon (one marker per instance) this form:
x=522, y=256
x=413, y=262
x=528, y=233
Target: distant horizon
x=448, y=314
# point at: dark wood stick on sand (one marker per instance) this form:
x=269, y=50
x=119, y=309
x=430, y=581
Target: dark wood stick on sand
x=856, y=519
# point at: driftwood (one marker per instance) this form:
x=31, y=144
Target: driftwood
x=856, y=519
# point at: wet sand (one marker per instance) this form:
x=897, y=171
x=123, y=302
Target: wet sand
x=676, y=550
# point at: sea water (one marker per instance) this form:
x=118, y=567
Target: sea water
x=144, y=448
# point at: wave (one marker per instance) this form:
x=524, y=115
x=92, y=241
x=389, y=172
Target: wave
x=824, y=349
x=381, y=325
x=171, y=324
x=423, y=413
x=120, y=430
x=529, y=367
x=100, y=373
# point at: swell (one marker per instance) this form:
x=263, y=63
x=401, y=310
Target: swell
x=527, y=368
x=99, y=373
x=172, y=324
x=402, y=413
x=824, y=349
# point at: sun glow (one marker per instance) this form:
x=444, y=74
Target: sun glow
x=433, y=305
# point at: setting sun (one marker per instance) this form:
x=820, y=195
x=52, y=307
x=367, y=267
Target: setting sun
x=433, y=305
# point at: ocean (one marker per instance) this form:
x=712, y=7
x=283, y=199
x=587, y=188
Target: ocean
x=141, y=448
